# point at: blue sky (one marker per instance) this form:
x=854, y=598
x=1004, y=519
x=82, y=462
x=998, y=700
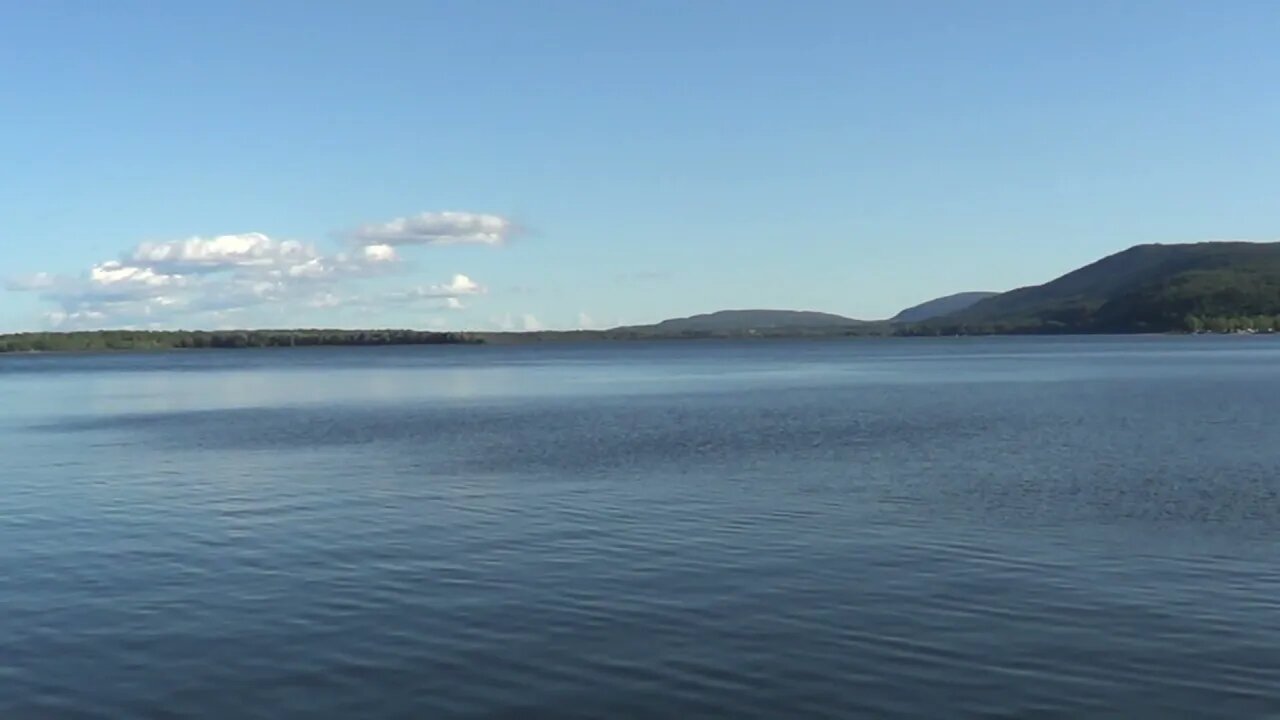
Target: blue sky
x=484, y=164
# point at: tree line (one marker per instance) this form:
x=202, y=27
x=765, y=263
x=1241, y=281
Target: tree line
x=1244, y=323
x=103, y=340
x=1187, y=324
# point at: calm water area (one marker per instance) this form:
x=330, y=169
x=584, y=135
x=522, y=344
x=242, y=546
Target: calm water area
x=949, y=528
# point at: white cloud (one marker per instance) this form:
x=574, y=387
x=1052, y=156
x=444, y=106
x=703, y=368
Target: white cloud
x=88, y=311
x=59, y=319
x=438, y=228
x=223, y=252
x=459, y=286
x=463, y=285
x=313, y=268
x=379, y=253
x=108, y=288
x=516, y=323
x=199, y=280
x=586, y=322
x=248, y=254
x=130, y=280
x=325, y=300
x=339, y=266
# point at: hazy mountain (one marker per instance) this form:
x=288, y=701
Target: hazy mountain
x=1148, y=288
x=742, y=321
x=940, y=306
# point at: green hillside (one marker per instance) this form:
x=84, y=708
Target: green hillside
x=1221, y=286
x=941, y=306
x=732, y=321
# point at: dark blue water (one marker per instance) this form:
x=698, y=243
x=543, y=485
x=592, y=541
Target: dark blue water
x=886, y=529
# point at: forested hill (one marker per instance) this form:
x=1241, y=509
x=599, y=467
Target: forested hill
x=941, y=306
x=90, y=341
x=1221, y=286
x=734, y=321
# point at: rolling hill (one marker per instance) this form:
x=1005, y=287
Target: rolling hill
x=729, y=323
x=1148, y=288
x=755, y=320
x=940, y=306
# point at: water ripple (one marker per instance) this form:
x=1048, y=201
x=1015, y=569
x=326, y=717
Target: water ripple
x=830, y=548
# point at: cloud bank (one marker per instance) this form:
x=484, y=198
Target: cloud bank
x=166, y=283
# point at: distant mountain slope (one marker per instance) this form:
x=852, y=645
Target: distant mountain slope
x=941, y=306
x=732, y=322
x=1148, y=288
x=755, y=320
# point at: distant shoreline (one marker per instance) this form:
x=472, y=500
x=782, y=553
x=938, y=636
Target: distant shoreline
x=123, y=341
x=153, y=340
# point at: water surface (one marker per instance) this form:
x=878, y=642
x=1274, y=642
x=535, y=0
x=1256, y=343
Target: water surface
x=891, y=529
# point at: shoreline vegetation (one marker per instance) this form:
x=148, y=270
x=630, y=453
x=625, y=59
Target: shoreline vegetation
x=162, y=340
x=1200, y=288
x=135, y=340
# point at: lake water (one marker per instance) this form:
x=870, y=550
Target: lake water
x=957, y=528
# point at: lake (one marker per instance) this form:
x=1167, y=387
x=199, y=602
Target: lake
x=949, y=528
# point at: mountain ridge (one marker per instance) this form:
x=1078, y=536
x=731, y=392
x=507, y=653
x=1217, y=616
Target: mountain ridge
x=1145, y=288
x=938, y=307
x=746, y=320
